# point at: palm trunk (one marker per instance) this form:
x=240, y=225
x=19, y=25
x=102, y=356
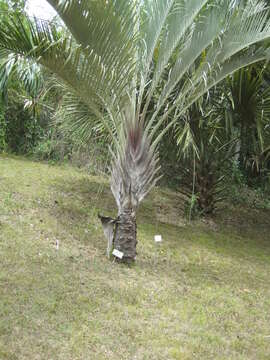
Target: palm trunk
x=121, y=234
x=125, y=238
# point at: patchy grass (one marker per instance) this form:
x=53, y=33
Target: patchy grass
x=204, y=293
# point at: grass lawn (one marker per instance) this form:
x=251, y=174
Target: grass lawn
x=204, y=293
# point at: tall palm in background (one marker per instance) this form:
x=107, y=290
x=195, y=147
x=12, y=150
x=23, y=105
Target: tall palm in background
x=116, y=58
x=206, y=149
x=250, y=113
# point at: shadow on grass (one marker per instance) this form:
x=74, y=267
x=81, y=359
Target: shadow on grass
x=82, y=196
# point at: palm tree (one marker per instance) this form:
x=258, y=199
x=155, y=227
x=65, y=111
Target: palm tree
x=115, y=58
x=24, y=87
x=250, y=111
x=205, y=149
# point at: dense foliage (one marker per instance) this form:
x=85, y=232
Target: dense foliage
x=140, y=95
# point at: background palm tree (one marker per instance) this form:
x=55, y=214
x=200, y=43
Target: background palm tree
x=206, y=149
x=249, y=96
x=23, y=90
x=115, y=58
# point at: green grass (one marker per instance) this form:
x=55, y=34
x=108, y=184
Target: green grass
x=204, y=293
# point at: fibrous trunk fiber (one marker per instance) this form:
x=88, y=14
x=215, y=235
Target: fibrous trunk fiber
x=125, y=239
x=121, y=234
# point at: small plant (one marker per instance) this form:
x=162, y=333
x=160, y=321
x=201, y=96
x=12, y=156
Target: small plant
x=192, y=209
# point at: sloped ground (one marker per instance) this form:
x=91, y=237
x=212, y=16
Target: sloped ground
x=204, y=293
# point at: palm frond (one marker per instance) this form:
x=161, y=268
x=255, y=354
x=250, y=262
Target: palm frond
x=134, y=170
x=82, y=69
x=7, y=62
x=211, y=60
x=104, y=26
x=77, y=120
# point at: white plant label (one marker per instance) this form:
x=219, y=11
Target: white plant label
x=158, y=238
x=118, y=254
